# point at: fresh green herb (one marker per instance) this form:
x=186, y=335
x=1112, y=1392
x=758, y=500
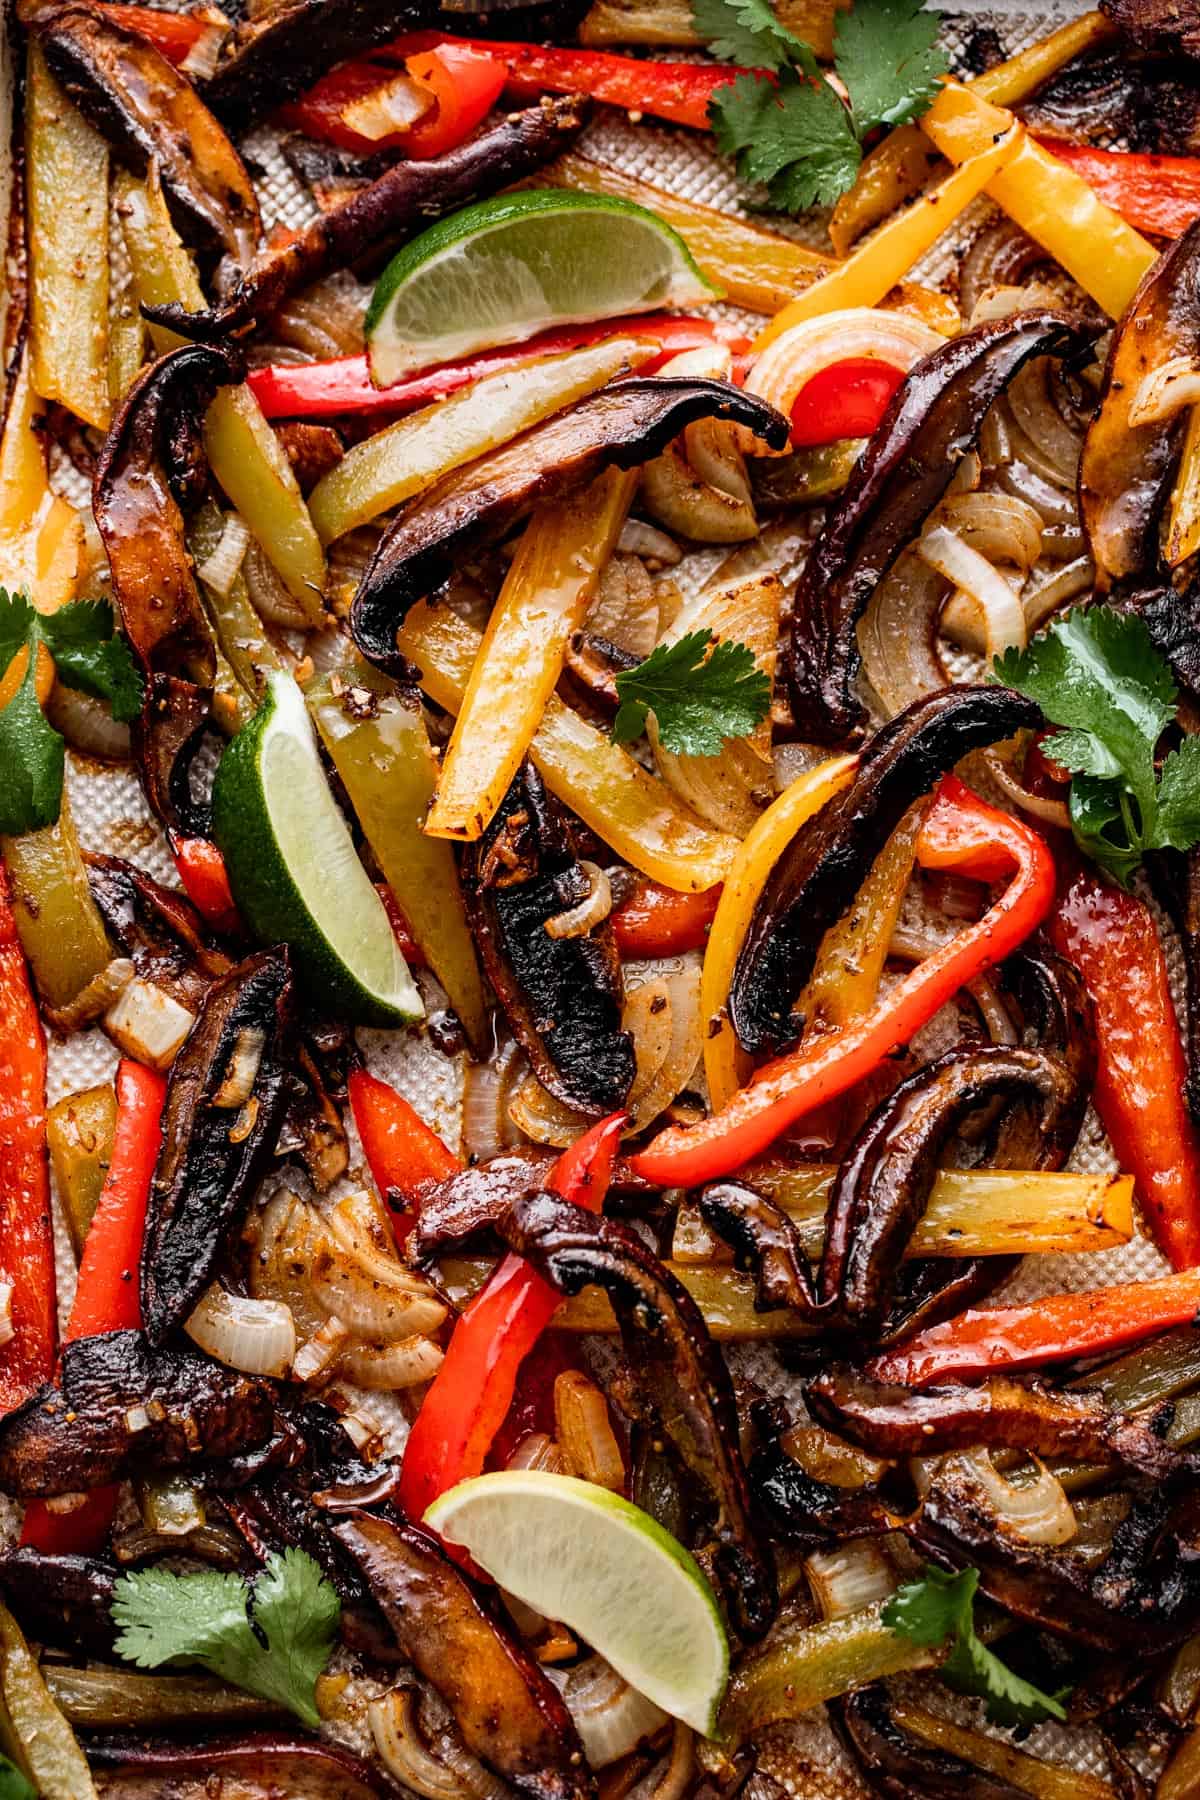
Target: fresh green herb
x=1097, y=673
x=942, y=1606
x=88, y=656
x=13, y=1785
x=790, y=128
x=272, y=1638
x=698, y=700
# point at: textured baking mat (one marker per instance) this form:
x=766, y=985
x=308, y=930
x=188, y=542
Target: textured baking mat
x=112, y=816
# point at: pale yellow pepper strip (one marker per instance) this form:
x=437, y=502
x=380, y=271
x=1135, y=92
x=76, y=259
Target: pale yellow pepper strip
x=546, y=593
x=1014, y=80
x=1183, y=532
x=879, y=263
x=615, y=797
x=726, y=1069
x=1046, y=198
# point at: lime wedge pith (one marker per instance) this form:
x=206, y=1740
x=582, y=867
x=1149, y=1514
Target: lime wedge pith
x=293, y=868
x=502, y=270
x=575, y=1552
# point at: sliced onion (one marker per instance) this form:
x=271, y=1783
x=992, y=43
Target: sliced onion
x=488, y=1090
x=1067, y=583
x=591, y=911
x=899, y=633
x=317, y=1360
x=268, y=596
x=388, y=1310
x=699, y=486
x=1037, y=1510
x=625, y=611
x=96, y=998
x=256, y=1336
x=1038, y=806
x=611, y=1717
x=654, y=1088
x=238, y=1082
x=433, y=1763
x=648, y=542
x=326, y=320
x=999, y=255
x=200, y=63
x=998, y=603
x=221, y=569
x=537, y=1451
x=1001, y=527
x=87, y=724
x=543, y=1117
x=287, y=1233
x=789, y=364
x=994, y=1013
x=388, y=1366
x=672, y=1779
x=395, y=105
x=1039, y=419
x=6, y=1320
x=848, y=1577
x=584, y=1428
x=1164, y=391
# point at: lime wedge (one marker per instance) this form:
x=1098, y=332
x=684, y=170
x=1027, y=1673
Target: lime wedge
x=293, y=868
x=497, y=272
x=575, y=1552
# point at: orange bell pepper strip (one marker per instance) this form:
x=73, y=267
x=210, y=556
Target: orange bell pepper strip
x=1159, y=194
x=1057, y=1328
x=1141, y=1069
x=469, y=1397
x=26, y=1238
x=403, y=1154
x=961, y=832
x=107, y=1295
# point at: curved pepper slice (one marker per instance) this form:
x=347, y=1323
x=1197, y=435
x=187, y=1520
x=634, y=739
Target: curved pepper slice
x=962, y=832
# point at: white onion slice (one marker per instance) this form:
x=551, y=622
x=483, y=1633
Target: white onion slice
x=1037, y=1511
x=389, y=1366
x=256, y=1336
x=578, y=920
x=7, y=1332
x=998, y=603
x=849, y=1577
x=1162, y=392
x=221, y=568
x=440, y=1770
x=611, y=1717
x=395, y=105
x=789, y=364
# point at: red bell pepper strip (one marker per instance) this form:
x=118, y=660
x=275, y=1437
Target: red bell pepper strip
x=469, y=1397
x=846, y=400
x=676, y=91
x=410, y=950
x=206, y=882
x=657, y=921
x=107, y=1295
x=1057, y=1328
x=403, y=1154
x=173, y=34
x=326, y=390
x=26, y=1237
x=1159, y=194
x=961, y=832
x=1141, y=1068
x=464, y=79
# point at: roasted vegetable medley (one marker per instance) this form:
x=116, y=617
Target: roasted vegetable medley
x=600, y=902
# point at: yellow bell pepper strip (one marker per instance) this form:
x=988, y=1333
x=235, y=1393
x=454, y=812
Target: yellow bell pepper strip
x=1183, y=520
x=246, y=458
x=376, y=739
x=408, y=457
x=66, y=186
x=1011, y=81
x=548, y=589
x=615, y=797
x=726, y=1067
x=1045, y=198
x=41, y=536
x=879, y=263
x=961, y=832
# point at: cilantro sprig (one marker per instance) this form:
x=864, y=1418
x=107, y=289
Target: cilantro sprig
x=698, y=700
x=788, y=126
x=942, y=1606
x=87, y=655
x=1098, y=674
x=272, y=1638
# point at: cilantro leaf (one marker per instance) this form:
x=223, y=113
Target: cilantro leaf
x=886, y=53
x=698, y=700
x=942, y=1606
x=273, y=1638
x=747, y=31
x=1098, y=674
x=13, y=1785
x=794, y=135
x=16, y=614
x=89, y=656
x=32, y=760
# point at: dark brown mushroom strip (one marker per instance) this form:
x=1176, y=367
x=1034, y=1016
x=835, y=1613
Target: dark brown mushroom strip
x=158, y=929
x=149, y=112
x=469, y=1200
x=562, y=996
x=281, y=49
x=764, y=1241
x=1154, y=102
x=625, y=424
x=1001, y=1413
x=120, y=1407
x=678, y=1378
x=261, y=1766
x=62, y=1600
x=510, y=1715
x=1157, y=24
x=1126, y=470
x=897, y=1766
x=931, y=424
x=815, y=879
x=151, y=465
x=226, y=1098
x=378, y=217
x=808, y=1512
x=885, y=1179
